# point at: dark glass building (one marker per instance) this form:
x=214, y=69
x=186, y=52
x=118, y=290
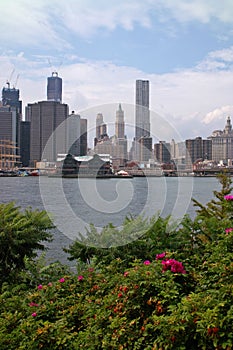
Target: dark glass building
x=10, y=97
x=12, y=105
x=25, y=143
x=54, y=88
x=83, y=137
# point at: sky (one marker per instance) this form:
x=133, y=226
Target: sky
x=100, y=47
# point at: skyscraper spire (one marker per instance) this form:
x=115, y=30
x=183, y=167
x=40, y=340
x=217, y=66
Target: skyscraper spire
x=228, y=127
x=120, y=123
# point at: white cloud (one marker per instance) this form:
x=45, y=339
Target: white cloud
x=51, y=24
x=218, y=114
x=187, y=98
x=199, y=10
x=191, y=99
x=223, y=55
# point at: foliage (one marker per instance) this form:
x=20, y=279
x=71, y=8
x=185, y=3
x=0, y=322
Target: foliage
x=22, y=234
x=212, y=218
x=141, y=307
x=168, y=290
x=218, y=207
x=153, y=237
x=39, y=271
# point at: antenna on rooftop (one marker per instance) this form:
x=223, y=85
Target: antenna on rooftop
x=53, y=69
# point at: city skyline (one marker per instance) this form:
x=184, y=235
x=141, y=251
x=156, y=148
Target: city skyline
x=184, y=48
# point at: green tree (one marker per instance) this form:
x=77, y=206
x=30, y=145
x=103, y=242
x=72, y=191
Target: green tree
x=22, y=234
x=214, y=217
x=217, y=207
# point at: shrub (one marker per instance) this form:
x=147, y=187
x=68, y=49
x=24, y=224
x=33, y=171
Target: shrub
x=22, y=234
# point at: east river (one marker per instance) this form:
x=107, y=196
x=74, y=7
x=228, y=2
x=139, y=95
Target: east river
x=75, y=203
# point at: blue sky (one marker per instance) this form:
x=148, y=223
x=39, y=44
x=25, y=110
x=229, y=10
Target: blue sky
x=100, y=47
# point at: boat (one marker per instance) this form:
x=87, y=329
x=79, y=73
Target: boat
x=123, y=174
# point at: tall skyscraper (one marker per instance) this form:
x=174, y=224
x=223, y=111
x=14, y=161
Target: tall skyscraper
x=83, y=137
x=120, y=123
x=45, y=117
x=25, y=142
x=12, y=104
x=54, y=88
x=101, y=129
x=119, y=150
x=142, y=109
x=8, y=122
x=73, y=123
x=142, y=118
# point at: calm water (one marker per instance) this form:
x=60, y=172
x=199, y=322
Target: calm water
x=77, y=202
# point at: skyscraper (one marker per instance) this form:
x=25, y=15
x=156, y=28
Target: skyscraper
x=142, y=119
x=8, y=121
x=12, y=104
x=101, y=129
x=25, y=142
x=10, y=97
x=54, y=88
x=142, y=127
x=162, y=152
x=45, y=117
x=120, y=123
x=73, y=124
x=83, y=137
x=222, y=143
x=197, y=149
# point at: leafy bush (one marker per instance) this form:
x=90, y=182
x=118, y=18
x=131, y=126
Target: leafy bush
x=142, y=307
x=22, y=234
x=153, y=294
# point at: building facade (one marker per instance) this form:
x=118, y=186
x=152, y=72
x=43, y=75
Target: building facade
x=13, y=105
x=142, y=116
x=162, y=152
x=73, y=139
x=120, y=124
x=10, y=97
x=77, y=135
x=119, y=141
x=222, y=144
x=83, y=137
x=145, y=148
x=25, y=143
x=197, y=149
x=45, y=117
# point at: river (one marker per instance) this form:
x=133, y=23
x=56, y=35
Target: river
x=75, y=203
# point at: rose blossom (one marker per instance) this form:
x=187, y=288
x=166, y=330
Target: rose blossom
x=160, y=256
x=229, y=197
x=146, y=262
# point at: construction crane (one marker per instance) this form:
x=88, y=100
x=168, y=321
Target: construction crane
x=16, y=81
